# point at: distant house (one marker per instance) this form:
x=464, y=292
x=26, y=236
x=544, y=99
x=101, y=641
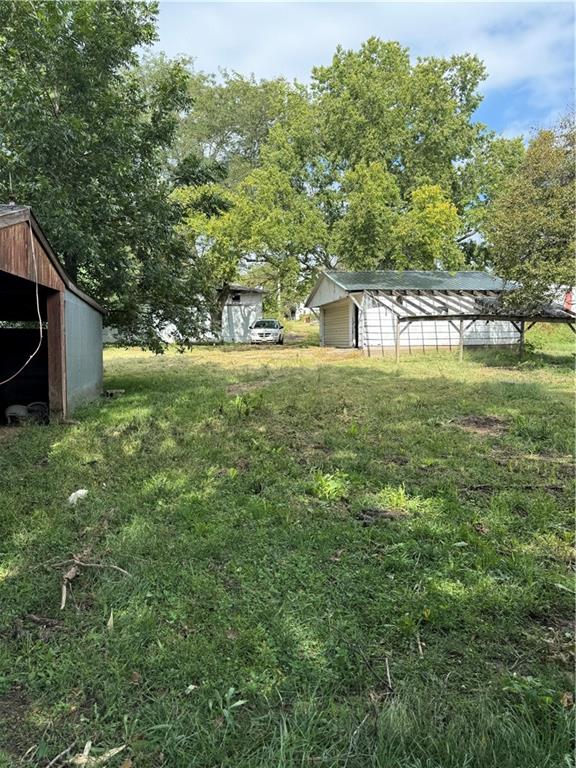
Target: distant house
x=242, y=308
x=50, y=330
x=411, y=310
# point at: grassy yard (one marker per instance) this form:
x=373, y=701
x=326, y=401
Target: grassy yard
x=333, y=561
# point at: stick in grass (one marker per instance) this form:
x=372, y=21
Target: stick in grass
x=388, y=676
x=60, y=756
x=82, y=564
x=420, y=649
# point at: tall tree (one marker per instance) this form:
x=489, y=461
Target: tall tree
x=364, y=237
x=530, y=225
x=416, y=121
x=232, y=118
x=82, y=139
x=380, y=165
x=376, y=106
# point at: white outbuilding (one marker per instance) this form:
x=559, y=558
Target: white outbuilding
x=242, y=308
x=417, y=310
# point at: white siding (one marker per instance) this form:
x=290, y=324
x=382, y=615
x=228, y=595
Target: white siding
x=378, y=323
x=336, y=324
x=238, y=317
x=325, y=292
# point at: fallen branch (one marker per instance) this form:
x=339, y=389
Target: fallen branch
x=388, y=675
x=60, y=756
x=101, y=565
x=420, y=649
x=82, y=564
x=70, y=574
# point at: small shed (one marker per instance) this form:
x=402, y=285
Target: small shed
x=50, y=331
x=416, y=310
x=242, y=308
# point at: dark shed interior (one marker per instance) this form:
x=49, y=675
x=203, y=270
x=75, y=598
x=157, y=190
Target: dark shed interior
x=19, y=337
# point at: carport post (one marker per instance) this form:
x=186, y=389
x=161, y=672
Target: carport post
x=56, y=360
x=461, y=345
x=521, y=344
x=397, y=340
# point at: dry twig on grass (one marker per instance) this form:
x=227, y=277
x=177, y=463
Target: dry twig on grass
x=82, y=564
x=60, y=755
x=72, y=572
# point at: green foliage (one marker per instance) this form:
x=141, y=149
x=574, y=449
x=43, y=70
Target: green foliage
x=84, y=133
x=531, y=223
x=427, y=231
x=365, y=238
x=232, y=118
x=415, y=119
x=378, y=165
x=196, y=170
x=329, y=486
x=270, y=220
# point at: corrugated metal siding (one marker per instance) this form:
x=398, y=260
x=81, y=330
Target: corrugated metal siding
x=336, y=324
x=377, y=330
x=83, y=351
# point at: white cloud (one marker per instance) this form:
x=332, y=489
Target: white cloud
x=527, y=47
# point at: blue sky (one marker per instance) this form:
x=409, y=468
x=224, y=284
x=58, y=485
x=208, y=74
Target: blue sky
x=528, y=47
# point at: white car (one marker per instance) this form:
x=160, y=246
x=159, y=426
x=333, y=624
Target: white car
x=266, y=332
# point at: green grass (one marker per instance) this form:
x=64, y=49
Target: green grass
x=298, y=524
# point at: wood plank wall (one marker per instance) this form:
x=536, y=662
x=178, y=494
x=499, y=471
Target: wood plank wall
x=16, y=256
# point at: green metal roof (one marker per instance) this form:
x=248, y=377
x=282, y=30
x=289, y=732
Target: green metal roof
x=416, y=280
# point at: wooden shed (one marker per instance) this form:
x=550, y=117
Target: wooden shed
x=417, y=310
x=50, y=331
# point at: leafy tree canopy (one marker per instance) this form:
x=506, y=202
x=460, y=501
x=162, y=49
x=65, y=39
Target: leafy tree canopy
x=232, y=118
x=379, y=164
x=530, y=225
x=158, y=185
x=83, y=135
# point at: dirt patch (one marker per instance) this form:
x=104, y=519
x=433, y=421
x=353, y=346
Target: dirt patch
x=483, y=425
x=559, y=640
x=400, y=461
x=16, y=733
x=371, y=516
x=243, y=387
x=7, y=432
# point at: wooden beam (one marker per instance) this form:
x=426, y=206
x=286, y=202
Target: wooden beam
x=406, y=298
x=461, y=341
x=468, y=301
x=379, y=299
x=521, y=344
x=427, y=303
x=397, y=340
x=395, y=308
x=56, y=341
x=449, y=301
x=366, y=339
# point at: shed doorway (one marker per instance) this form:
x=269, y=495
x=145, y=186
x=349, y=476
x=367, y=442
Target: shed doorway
x=35, y=380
